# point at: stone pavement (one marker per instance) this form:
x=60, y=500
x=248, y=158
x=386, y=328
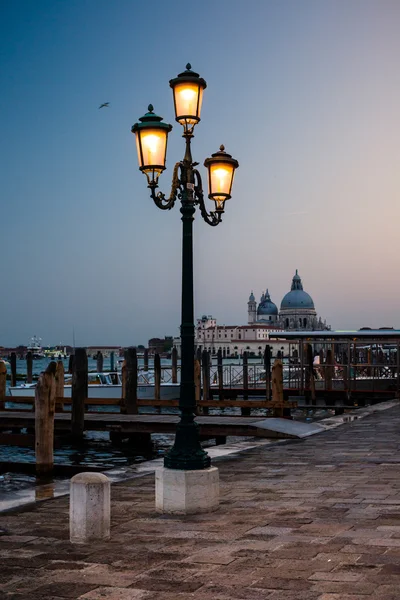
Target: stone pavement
x=312, y=519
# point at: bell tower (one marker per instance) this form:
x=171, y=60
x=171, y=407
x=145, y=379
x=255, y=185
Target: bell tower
x=252, y=309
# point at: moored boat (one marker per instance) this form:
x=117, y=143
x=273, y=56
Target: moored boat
x=107, y=385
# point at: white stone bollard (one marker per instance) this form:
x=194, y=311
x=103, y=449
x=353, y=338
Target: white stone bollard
x=187, y=492
x=89, y=512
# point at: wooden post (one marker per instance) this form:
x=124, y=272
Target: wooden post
x=71, y=364
x=60, y=386
x=131, y=407
x=329, y=370
x=310, y=373
x=277, y=387
x=146, y=359
x=198, y=355
x=13, y=363
x=244, y=410
x=79, y=392
x=112, y=361
x=301, y=357
x=220, y=370
x=3, y=384
x=29, y=367
x=205, y=364
x=123, y=386
x=267, y=367
x=157, y=380
x=45, y=394
x=99, y=362
x=174, y=357
x=197, y=384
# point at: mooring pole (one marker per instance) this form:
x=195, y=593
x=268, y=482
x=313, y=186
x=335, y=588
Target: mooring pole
x=45, y=393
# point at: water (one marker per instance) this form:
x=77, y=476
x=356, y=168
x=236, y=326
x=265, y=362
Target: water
x=96, y=451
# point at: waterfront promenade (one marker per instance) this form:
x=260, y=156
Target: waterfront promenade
x=315, y=519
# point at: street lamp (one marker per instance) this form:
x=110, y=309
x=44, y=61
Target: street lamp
x=151, y=141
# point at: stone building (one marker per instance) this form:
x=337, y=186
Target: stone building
x=297, y=311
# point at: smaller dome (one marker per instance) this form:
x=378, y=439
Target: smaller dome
x=266, y=306
x=251, y=297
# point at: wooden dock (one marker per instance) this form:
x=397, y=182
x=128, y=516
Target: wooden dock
x=210, y=426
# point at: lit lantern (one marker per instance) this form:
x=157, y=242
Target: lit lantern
x=221, y=169
x=188, y=96
x=151, y=143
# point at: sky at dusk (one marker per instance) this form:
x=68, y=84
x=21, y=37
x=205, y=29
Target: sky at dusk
x=304, y=93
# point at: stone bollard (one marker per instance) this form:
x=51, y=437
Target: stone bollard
x=89, y=513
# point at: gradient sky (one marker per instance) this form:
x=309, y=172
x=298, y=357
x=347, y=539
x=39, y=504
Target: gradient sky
x=304, y=93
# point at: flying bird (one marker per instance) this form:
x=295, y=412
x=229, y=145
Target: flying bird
x=104, y=104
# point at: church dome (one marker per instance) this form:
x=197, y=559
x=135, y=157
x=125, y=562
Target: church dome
x=266, y=306
x=297, y=297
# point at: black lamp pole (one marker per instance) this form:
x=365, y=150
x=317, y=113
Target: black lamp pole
x=187, y=453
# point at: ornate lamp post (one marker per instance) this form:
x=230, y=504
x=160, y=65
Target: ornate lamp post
x=151, y=140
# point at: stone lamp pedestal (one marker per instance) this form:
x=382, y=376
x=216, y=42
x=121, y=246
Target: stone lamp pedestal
x=187, y=492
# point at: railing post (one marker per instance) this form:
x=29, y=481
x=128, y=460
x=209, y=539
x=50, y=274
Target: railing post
x=310, y=373
x=301, y=357
x=13, y=364
x=220, y=370
x=277, y=387
x=131, y=407
x=244, y=410
x=112, y=361
x=267, y=366
x=329, y=370
x=197, y=385
x=146, y=359
x=60, y=386
x=174, y=357
x=123, y=387
x=205, y=364
x=157, y=380
x=99, y=362
x=3, y=384
x=79, y=392
x=45, y=394
x=29, y=367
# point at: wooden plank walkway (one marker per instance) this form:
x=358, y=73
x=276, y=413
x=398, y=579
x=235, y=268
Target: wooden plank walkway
x=126, y=424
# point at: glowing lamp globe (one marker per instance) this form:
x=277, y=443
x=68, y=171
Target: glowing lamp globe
x=188, y=90
x=151, y=144
x=221, y=169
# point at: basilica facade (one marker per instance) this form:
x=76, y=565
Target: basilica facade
x=297, y=311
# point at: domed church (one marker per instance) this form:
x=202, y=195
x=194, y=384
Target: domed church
x=297, y=310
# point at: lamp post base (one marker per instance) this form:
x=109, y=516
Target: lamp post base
x=187, y=492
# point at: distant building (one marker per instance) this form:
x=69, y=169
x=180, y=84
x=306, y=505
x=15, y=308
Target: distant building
x=297, y=310
x=297, y=313
x=160, y=345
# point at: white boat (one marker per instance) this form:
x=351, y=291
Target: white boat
x=35, y=348
x=108, y=385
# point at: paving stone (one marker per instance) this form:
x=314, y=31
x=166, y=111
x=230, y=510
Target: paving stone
x=114, y=593
x=315, y=520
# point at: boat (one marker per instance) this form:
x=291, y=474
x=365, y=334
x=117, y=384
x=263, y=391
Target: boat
x=57, y=353
x=108, y=385
x=35, y=348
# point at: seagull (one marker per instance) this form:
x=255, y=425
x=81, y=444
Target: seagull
x=106, y=104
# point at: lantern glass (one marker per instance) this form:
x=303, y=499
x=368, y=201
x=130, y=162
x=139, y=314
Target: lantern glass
x=220, y=180
x=151, y=144
x=188, y=98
